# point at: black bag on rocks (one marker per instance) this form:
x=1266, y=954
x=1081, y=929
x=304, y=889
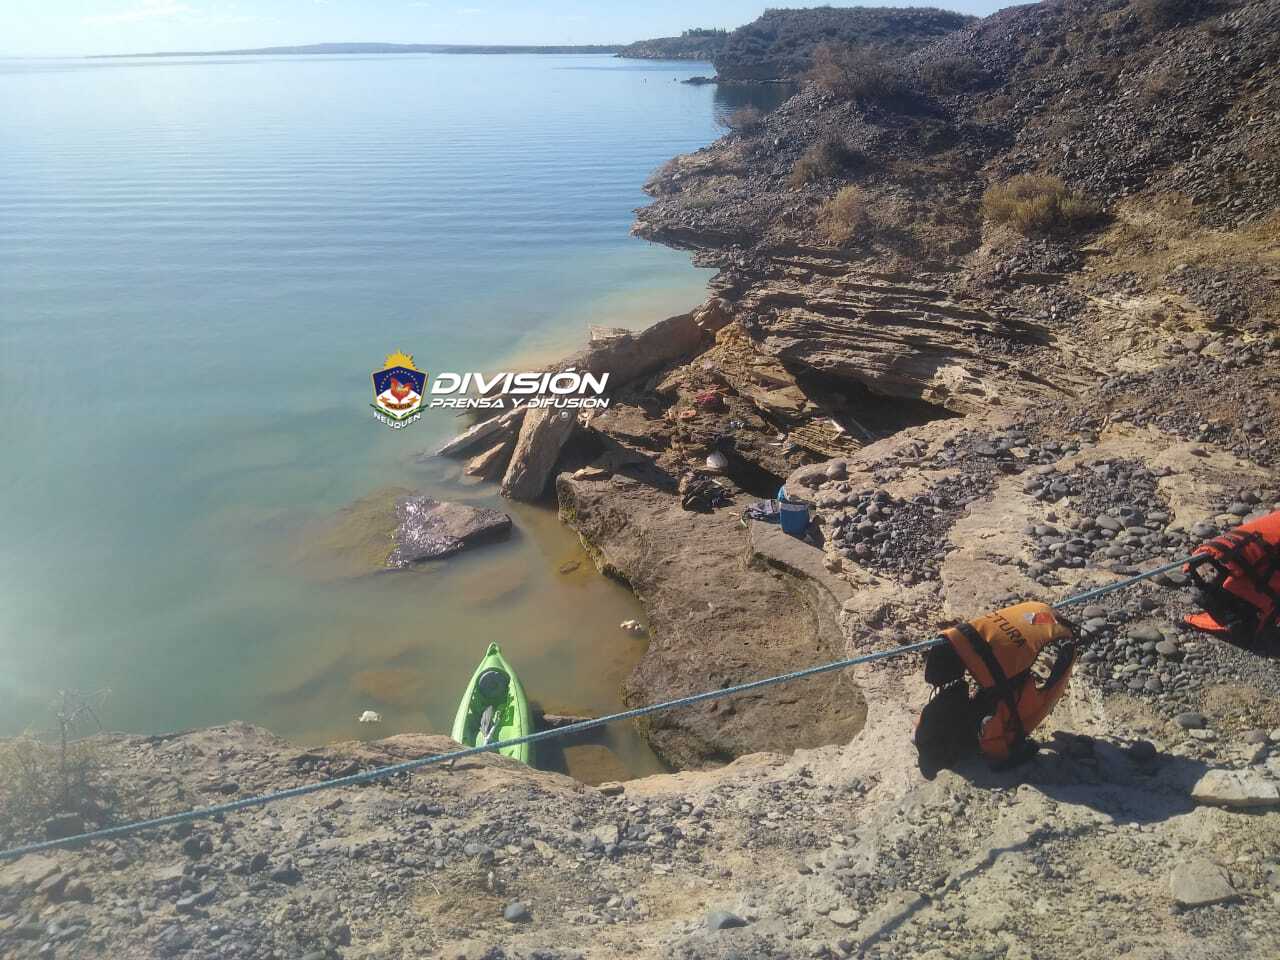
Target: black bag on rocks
x=948, y=729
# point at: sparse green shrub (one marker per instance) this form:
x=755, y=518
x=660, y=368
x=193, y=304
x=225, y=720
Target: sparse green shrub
x=853, y=74
x=845, y=215
x=826, y=158
x=744, y=120
x=1034, y=204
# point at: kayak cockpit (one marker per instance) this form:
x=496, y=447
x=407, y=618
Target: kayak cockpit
x=494, y=708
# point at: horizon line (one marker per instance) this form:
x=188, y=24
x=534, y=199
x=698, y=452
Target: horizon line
x=369, y=46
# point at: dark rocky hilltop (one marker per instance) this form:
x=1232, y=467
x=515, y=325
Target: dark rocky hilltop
x=780, y=44
x=695, y=44
x=1005, y=311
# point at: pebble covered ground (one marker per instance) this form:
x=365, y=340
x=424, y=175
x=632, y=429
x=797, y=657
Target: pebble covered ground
x=1104, y=513
x=1227, y=397
x=827, y=855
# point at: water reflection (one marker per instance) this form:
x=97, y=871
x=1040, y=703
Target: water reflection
x=254, y=234
x=763, y=96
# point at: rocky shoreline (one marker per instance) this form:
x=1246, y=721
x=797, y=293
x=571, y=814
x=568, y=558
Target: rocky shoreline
x=820, y=350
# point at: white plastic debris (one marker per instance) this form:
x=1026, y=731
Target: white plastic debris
x=370, y=716
x=632, y=626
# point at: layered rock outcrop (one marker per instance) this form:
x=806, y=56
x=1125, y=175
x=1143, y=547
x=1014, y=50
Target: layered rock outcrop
x=1001, y=418
x=928, y=318
x=904, y=338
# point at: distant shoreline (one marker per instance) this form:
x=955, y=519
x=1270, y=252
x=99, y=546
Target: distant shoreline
x=348, y=48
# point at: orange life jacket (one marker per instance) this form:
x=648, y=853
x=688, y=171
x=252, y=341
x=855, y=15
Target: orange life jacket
x=1238, y=574
x=998, y=650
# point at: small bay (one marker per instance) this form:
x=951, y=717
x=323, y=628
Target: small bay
x=202, y=260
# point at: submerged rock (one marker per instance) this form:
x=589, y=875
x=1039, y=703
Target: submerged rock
x=430, y=529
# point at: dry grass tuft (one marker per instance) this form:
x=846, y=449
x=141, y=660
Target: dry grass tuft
x=1037, y=205
x=845, y=215
x=744, y=120
x=825, y=159
x=852, y=74
x=1267, y=230
x=39, y=780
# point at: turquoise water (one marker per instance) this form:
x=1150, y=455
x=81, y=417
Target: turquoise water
x=201, y=263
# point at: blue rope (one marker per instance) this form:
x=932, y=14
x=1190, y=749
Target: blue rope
x=380, y=773
x=1121, y=584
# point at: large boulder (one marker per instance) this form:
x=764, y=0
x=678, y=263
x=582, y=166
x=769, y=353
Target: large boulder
x=430, y=529
x=491, y=464
x=625, y=357
x=542, y=436
x=1199, y=882
x=494, y=430
x=1236, y=789
x=902, y=340
x=715, y=314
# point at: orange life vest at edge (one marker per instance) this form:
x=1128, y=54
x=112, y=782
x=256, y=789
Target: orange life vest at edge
x=998, y=650
x=1244, y=563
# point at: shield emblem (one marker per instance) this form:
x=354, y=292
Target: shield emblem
x=398, y=388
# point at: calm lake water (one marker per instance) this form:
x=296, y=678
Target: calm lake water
x=201, y=263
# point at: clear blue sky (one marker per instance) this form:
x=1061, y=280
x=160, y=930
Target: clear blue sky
x=74, y=27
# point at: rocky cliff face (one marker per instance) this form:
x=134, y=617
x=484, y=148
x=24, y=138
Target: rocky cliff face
x=1162, y=313
x=1094, y=91
x=840, y=851
x=929, y=308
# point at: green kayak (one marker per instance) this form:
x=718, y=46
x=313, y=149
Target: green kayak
x=494, y=708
